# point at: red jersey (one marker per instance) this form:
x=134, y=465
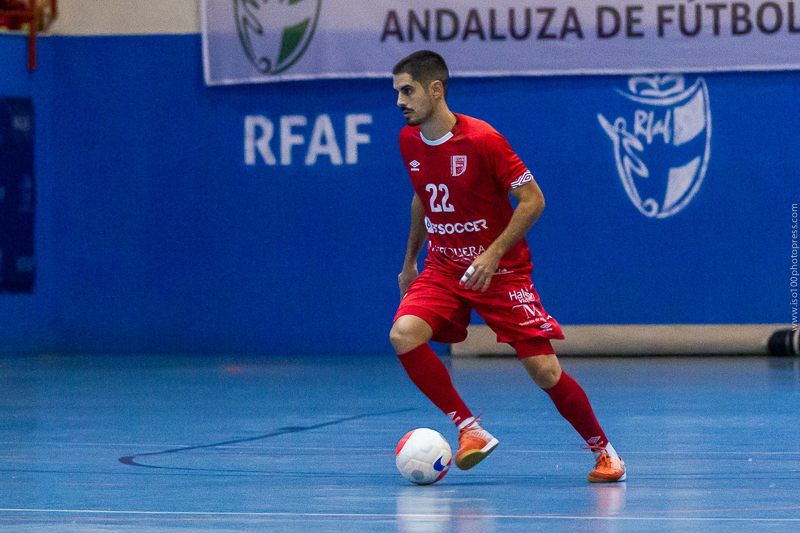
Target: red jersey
x=463, y=180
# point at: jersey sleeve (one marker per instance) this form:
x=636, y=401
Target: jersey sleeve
x=508, y=168
x=405, y=146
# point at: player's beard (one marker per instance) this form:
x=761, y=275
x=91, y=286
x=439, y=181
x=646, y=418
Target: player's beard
x=412, y=121
x=415, y=119
x=418, y=116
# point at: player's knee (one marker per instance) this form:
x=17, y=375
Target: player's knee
x=407, y=333
x=545, y=370
x=548, y=377
x=402, y=339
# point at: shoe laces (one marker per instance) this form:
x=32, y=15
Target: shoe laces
x=474, y=430
x=471, y=426
x=604, y=460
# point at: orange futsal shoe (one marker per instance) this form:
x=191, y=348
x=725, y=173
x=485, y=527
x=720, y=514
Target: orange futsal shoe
x=475, y=444
x=608, y=469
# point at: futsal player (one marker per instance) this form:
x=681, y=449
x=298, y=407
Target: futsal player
x=463, y=172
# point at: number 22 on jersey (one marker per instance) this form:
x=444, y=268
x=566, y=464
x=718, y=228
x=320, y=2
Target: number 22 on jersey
x=439, y=206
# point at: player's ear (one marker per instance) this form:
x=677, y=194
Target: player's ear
x=436, y=89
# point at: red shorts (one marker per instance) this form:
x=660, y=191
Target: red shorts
x=510, y=307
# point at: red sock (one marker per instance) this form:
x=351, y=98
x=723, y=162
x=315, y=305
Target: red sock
x=430, y=376
x=573, y=404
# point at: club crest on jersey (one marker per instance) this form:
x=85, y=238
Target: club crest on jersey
x=459, y=165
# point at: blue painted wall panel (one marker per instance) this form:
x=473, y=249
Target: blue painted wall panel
x=154, y=235
x=17, y=196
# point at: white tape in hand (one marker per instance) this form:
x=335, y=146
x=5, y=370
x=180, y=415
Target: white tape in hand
x=467, y=274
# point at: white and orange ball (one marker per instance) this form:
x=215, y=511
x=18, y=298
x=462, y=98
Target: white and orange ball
x=423, y=456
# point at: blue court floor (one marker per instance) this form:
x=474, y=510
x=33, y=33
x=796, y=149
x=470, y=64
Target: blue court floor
x=164, y=443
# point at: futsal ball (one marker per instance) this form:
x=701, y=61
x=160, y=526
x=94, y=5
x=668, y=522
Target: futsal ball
x=423, y=456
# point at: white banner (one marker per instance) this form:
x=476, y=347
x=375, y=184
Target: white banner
x=247, y=41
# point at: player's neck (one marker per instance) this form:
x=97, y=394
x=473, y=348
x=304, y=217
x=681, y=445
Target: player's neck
x=438, y=124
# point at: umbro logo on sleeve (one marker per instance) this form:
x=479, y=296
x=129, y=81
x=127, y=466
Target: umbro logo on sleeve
x=522, y=180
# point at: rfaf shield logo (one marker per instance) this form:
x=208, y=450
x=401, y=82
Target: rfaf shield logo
x=662, y=142
x=275, y=33
x=458, y=165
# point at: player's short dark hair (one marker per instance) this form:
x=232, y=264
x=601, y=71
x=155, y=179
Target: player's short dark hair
x=424, y=66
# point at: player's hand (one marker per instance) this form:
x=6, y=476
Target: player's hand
x=479, y=274
x=405, y=278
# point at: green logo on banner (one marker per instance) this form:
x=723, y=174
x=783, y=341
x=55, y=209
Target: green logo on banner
x=275, y=33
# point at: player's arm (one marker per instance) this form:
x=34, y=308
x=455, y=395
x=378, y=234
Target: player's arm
x=417, y=236
x=531, y=205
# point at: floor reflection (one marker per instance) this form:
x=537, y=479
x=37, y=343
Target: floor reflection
x=434, y=510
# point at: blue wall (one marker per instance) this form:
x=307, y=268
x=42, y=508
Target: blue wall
x=154, y=235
